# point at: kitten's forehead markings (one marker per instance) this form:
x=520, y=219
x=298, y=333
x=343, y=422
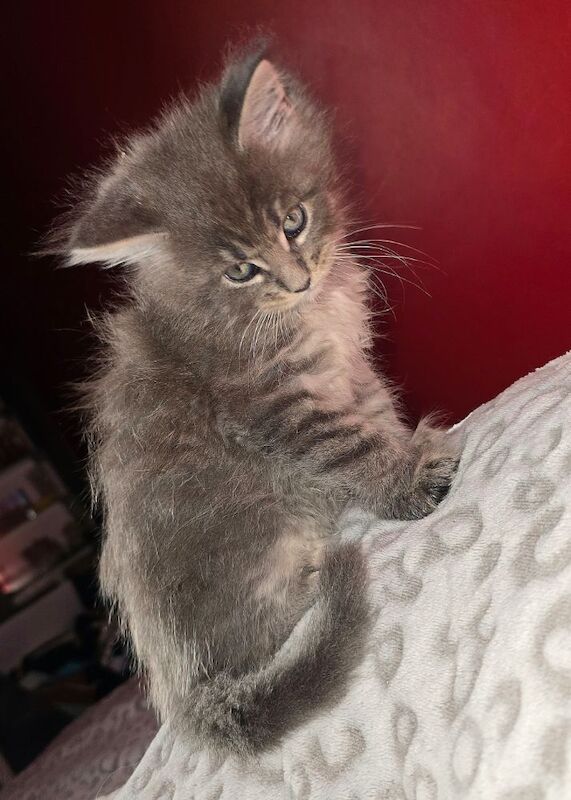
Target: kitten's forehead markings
x=234, y=251
x=273, y=215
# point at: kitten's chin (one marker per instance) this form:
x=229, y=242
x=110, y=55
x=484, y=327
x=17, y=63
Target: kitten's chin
x=286, y=307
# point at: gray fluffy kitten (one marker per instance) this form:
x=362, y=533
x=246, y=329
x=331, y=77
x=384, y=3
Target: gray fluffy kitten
x=237, y=413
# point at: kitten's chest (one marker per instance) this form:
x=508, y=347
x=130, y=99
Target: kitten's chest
x=339, y=331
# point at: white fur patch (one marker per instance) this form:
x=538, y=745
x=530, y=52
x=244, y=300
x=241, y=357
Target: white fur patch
x=124, y=251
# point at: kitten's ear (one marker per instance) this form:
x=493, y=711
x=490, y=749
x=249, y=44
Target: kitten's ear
x=256, y=105
x=118, y=227
x=267, y=117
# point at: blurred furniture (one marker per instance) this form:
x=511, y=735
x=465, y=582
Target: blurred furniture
x=58, y=655
x=44, y=535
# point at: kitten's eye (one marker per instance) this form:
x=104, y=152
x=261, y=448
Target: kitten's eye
x=242, y=272
x=295, y=222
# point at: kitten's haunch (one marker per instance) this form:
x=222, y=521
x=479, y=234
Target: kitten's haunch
x=236, y=412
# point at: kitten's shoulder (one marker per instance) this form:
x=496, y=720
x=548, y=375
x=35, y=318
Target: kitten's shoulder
x=140, y=365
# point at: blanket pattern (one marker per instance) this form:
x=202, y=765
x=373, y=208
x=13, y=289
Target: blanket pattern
x=465, y=691
x=94, y=754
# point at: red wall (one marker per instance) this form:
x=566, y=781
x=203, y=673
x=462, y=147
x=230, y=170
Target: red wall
x=457, y=119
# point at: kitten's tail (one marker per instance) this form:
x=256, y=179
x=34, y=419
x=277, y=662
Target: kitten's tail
x=250, y=713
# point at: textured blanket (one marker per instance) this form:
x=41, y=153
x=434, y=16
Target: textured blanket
x=465, y=691
x=93, y=755
x=466, y=688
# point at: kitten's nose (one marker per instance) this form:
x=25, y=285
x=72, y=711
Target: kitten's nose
x=303, y=288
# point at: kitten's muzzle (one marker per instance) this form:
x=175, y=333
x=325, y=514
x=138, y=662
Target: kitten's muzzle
x=291, y=285
x=303, y=288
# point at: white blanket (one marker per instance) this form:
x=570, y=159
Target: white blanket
x=465, y=691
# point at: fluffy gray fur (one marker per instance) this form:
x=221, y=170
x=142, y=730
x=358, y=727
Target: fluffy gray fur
x=232, y=422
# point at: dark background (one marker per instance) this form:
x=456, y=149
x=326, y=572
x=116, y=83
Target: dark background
x=456, y=115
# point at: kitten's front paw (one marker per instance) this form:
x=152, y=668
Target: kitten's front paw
x=433, y=481
x=435, y=470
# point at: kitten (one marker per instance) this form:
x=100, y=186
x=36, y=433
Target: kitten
x=236, y=412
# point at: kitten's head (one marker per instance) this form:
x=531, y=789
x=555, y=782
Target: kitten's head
x=227, y=205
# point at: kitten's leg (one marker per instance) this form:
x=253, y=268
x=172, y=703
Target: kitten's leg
x=439, y=456
x=351, y=452
x=433, y=453
x=324, y=591
x=434, y=459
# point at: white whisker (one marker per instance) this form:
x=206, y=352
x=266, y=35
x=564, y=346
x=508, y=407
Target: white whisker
x=379, y=225
x=245, y=332
x=373, y=242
